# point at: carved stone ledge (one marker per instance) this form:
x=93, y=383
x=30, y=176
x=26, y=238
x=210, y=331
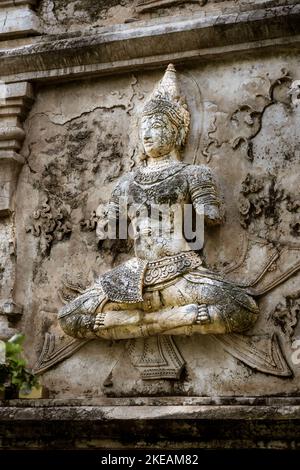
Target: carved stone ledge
x=143, y=6
x=183, y=423
x=8, y=321
x=10, y=313
x=13, y=110
x=17, y=18
x=11, y=309
x=152, y=43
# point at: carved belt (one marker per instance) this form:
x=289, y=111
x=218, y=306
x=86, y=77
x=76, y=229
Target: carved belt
x=170, y=267
x=125, y=282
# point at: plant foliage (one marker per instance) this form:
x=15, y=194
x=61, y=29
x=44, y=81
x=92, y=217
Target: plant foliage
x=13, y=372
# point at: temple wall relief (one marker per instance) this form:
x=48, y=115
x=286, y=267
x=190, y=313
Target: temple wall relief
x=81, y=138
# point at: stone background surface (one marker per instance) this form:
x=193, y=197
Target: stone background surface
x=82, y=136
x=60, y=16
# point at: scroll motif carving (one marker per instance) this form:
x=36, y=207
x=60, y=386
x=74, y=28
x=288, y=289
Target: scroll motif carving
x=287, y=313
x=50, y=224
x=90, y=224
x=245, y=122
x=264, y=203
x=293, y=206
x=260, y=196
x=136, y=94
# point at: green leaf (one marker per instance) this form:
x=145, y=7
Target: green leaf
x=16, y=339
x=14, y=369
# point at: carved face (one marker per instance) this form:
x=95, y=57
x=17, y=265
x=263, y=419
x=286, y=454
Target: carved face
x=159, y=135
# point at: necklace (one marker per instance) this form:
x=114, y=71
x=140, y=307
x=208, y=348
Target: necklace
x=158, y=173
x=158, y=166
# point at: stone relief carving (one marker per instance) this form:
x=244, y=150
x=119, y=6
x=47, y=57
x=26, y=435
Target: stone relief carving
x=50, y=223
x=136, y=94
x=156, y=358
x=166, y=290
x=244, y=123
x=286, y=314
x=260, y=196
x=89, y=224
x=264, y=204
x=259, y=352
x=160, y=260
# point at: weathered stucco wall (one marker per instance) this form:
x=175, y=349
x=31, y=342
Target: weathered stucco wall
x=74, y=76
x=59, y=16
x=81, y=137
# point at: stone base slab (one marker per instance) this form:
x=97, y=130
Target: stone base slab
x=166, y=423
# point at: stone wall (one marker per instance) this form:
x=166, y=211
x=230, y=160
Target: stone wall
x=81, y=137
x=85, y=70
x=59, y=16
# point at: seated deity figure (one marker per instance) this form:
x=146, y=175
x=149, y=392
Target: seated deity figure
x=166, y=289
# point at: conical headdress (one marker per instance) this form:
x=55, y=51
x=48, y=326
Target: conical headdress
x=166, y=100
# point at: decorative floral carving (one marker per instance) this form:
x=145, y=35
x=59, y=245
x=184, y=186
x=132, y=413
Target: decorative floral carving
x=251, y=185
x=263, y=197
x=292, y=203
x=293, y=206
x=295, y=228
x=286, y=314
x=258, y=197
x=50, y=224
x=90, y=224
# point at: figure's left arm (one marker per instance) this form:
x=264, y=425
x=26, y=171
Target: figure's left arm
x=204, y=194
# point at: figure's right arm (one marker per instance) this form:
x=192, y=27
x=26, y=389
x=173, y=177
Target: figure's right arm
x=205, y=194
x=115, y=209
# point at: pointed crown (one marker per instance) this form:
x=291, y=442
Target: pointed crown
x=166, y=100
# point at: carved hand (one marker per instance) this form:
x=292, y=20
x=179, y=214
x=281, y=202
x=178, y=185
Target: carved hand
x=165, y=319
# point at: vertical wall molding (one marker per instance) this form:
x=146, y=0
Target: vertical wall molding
x=15, y=102
x=18, y=18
